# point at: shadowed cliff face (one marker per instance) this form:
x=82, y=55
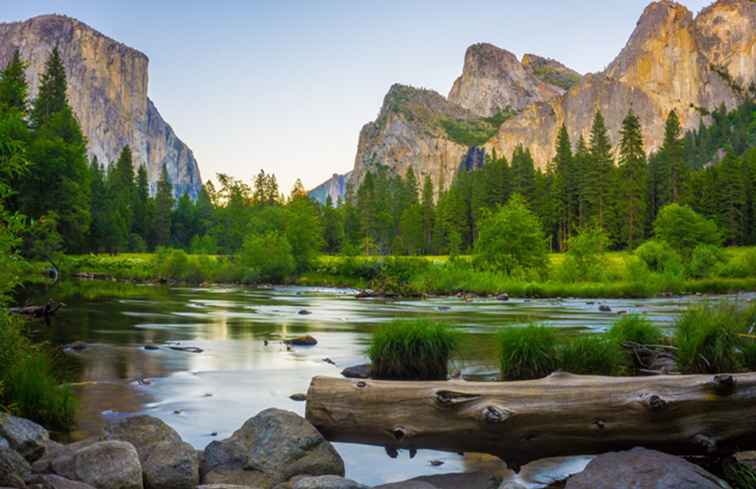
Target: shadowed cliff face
x=335, y=188
x=671, y=61
x=107, y=89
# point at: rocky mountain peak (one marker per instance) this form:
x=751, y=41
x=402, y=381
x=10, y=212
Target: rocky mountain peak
x=550, y=71
x=107, y=90
x=493, y=79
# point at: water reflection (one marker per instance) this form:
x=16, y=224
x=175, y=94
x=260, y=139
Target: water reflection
x=245, y=367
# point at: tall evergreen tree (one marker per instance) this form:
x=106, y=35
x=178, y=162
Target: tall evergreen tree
x=14, y=90
x=598, y=176
x=428, y=215
x=140, y=205
x=163, y=209
x=564, y=188
x=633, y=181
x=523, y=174
x=51, y=98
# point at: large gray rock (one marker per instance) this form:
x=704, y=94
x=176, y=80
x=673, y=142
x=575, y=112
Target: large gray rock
x=326, y=482
x=104, y=465
x=24, y=436
x=223, y=486
x=4, y=443
x=167, y=461
x=54, y=451
x=640, y=468
x=270, y=448
x=14, y=469
x=410, y=484
x=51, y=481
x=467, y=480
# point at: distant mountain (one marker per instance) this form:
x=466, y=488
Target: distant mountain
x=671, y=61
x=335, y=187
x=107, y=89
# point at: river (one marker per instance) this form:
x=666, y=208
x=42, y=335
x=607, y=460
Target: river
x=244, y=367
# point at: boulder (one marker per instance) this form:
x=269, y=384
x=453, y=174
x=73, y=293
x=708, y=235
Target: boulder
x=302, y=341
x=268, y=449
x=14, y=469
x=103, y=465
x=51, y=481
x=604, y=308
x=4, y=443
x=640, y=468
x=468, y=480
x=410, y=484
x=358, y=371
x=167, y=461
x=55, y=450
x=24, y=436
x=223, y=486
x=325, y=482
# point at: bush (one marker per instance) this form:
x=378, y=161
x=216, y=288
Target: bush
x=586, y=256
x=412, y=350
x=267, y=257
x=705, y=261
x=592, y=355
x=742, y=265
x=511, y=238
x=683, y=229
x=527, y=353
x=171, y=264
x=205, y=244
x=637, y=329
x=707, y=339
x=659, y=257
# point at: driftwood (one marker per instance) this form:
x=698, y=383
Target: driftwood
x=653, y=359
x=36, y=311
x=560, y=415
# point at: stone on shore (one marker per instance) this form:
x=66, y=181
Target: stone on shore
x=468, y=480
x=51, y=481
x=357, y=371
x=167, y=461
x=24, y=436
x=640, y=468
x=14, y=469
x=325, y=482
x=103, y=465
x=268, y=449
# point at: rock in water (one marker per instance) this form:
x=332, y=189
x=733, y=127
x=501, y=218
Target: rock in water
x=302, y=341
x=640, y=468
x=270, y=448
x=24, y=436
x=167, y=461
x=107, y=90
x=357, y=371
x=325, y=482
x=14, y=469
x=103, y=465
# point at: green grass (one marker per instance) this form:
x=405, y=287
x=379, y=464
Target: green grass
x=637, y=329
x=707, y=339
x=475, y=132
x=529, y=352
x=593, y=354
x=740, y=476
x=30, y=384
x=412, y=350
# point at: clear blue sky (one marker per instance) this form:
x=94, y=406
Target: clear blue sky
x=286, y=86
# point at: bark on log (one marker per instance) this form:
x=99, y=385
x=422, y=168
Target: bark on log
x=562, y=414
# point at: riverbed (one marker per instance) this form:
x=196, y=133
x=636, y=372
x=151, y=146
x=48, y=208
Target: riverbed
x=244, y=366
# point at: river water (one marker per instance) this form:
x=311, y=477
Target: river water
x=244, y=367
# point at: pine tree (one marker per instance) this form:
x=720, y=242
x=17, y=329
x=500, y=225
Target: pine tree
x=51, y=98
x=672, y=151
x=582, y=163
x=123, y=188
x=731, y=200
x=163, y=209
x=599, y=172
x=140, y=205
x=523, y=174
x=298, y=191
x=428, y=215
x=633, y=182
x=14, y=89
x=563, y=188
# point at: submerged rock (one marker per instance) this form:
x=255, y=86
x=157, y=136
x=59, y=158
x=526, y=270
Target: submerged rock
x=298, y=397
x=268, y=449
x=24, y=436
x=304, y=312
x=640, y=468
x=604, y=308
x=502, y=297
x=167, y=461
x=188, y=349
x=302, y=341
x=358, y=371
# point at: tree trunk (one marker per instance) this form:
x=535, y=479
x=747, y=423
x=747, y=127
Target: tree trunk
x=562, y=414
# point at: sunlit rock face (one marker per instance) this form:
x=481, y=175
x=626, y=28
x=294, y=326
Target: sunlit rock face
x=671, y=61
x=107, y=89
x=408, y=133
x=335, y=188
x=493, y=79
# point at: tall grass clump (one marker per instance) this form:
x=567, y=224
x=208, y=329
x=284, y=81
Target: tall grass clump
x=412, y=350
x=707, y=339
x=530, y=352
x=30, y=386
x=637, y=329
x=592, y=355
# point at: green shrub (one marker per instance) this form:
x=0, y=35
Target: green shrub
x=592, y=355
x=527, y=353
x=586, y=254
x=412, y=350
x=705, y=261
x=659, y=257
x=707, y=339
x=742, y=265
x=637, y=329
x=683, y=229
x=267, y=258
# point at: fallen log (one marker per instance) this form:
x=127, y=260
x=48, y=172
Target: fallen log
x=38, y=311
x=560, y=415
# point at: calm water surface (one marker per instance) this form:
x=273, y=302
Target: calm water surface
x=207, y=396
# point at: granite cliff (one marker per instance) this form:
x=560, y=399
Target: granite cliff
x=672, y=60
x=107, y=89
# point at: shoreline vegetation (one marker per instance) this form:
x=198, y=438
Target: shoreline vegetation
x=624, y=274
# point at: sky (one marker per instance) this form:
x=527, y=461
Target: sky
x=286, y=86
